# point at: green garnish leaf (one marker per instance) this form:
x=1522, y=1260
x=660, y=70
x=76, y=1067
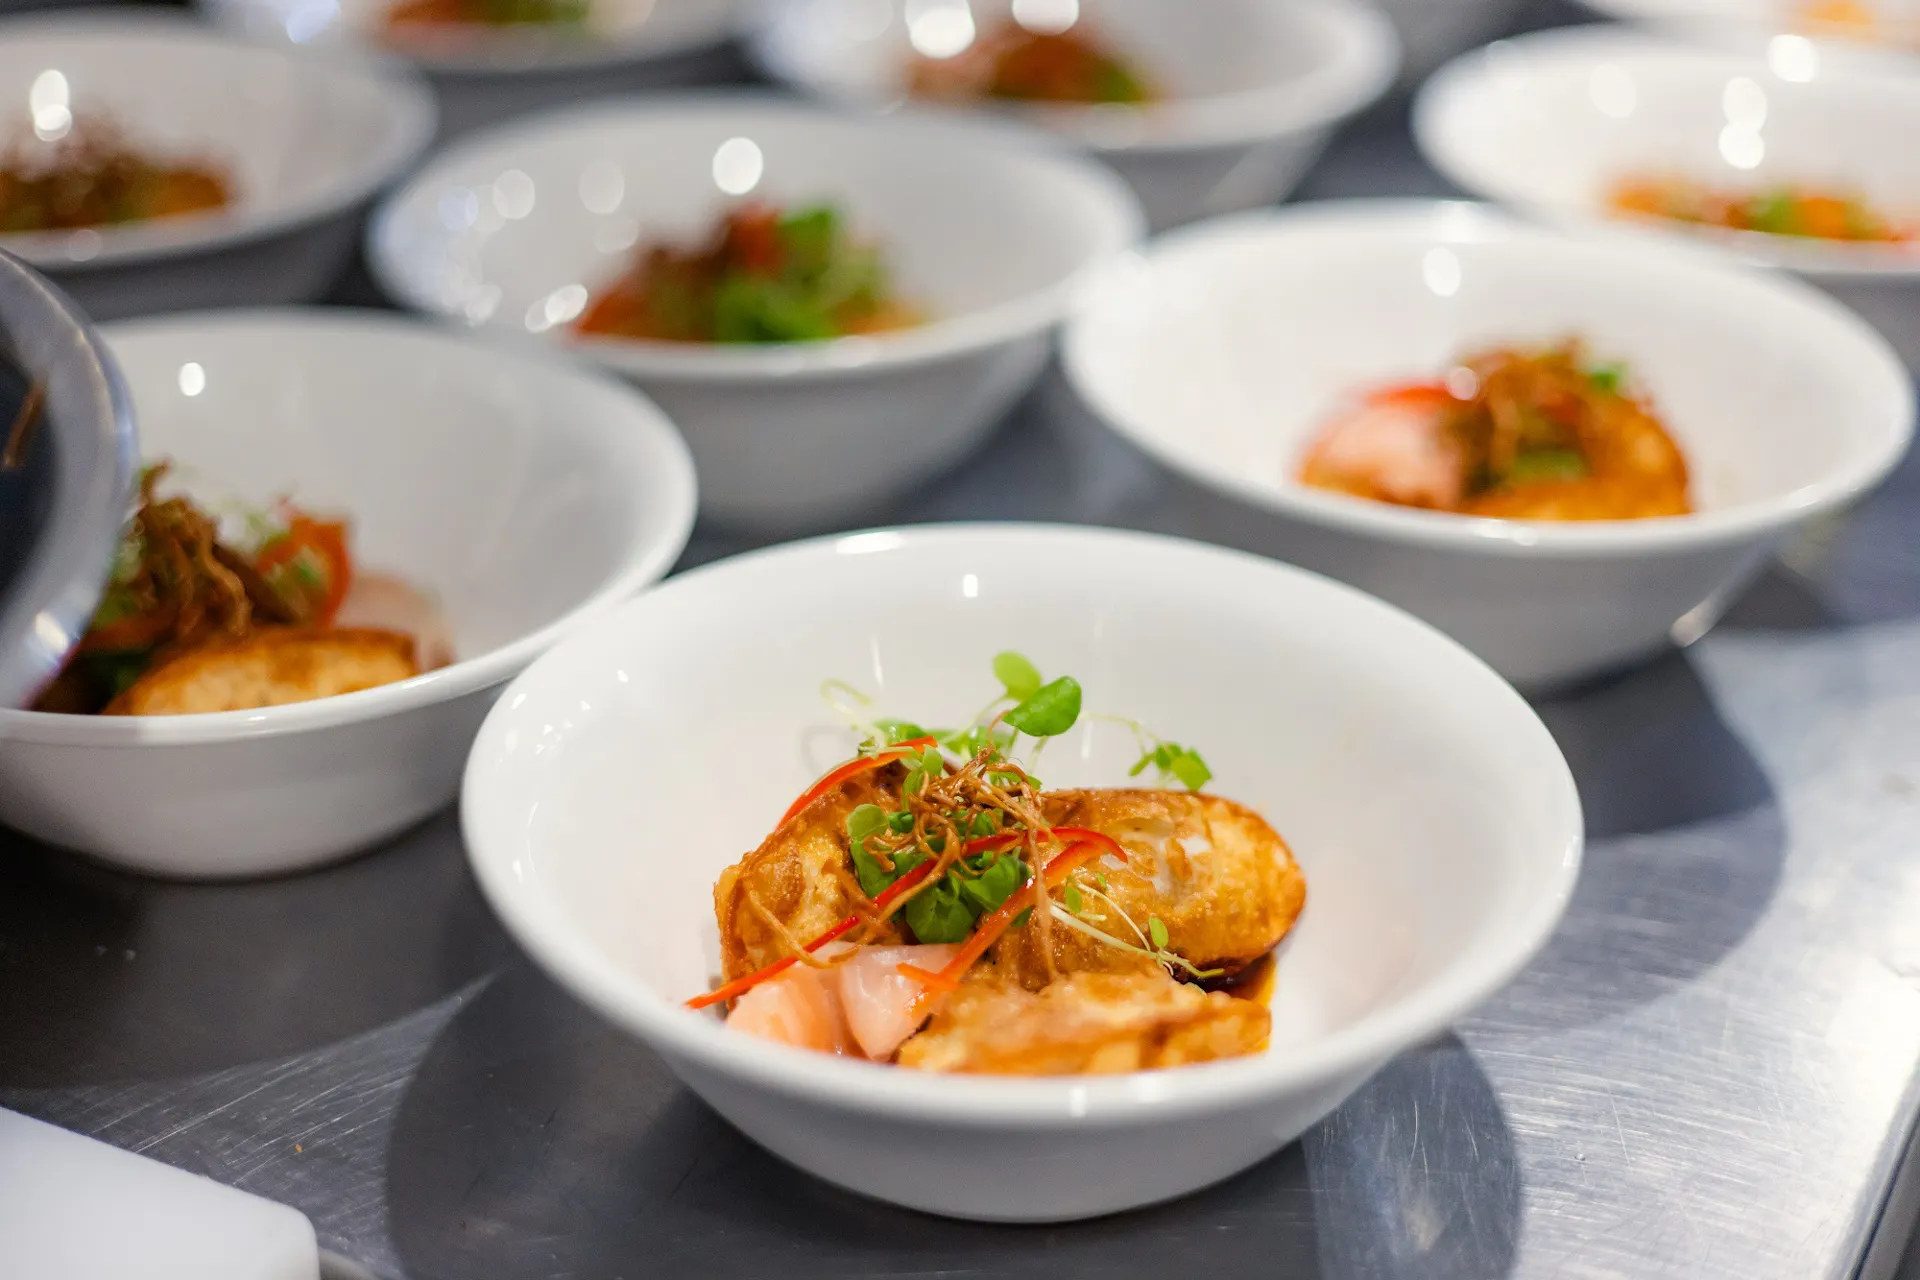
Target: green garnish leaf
x=1190, y=769
x=865, y=820
x=1021, y=677
x=938, y=913
x=1020, y=921
x=1157, y=932
x=1049, y=711
x=986, y=823
x=1611, y=378
x=875, y=879
x=900, y=822
x=1547, y=464
x=898, y=731
x=1071, y=896
x=1776, y=213
x=989, y=891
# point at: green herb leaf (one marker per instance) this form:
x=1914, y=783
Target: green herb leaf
x=865, y=820
x=1611, y=378
x=1776, y=213
x=875, y=879
x=900, y=823
x=989, y=891
x=1071, y=896
x=1190, y=769
x=1157, y=932
x=1547, y=464
x=986, y=823
x=939, y=914
x=1020, y=921
x=1049, y=711
x=898, y=731
x=1021, y=677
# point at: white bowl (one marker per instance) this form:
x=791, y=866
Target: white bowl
x=1227, y=347
x=1546, y=122
x=484, y=76
x=1254, y=87
x=309, y=141
x=526, y=496
x=1433, y=816
x=987, y=230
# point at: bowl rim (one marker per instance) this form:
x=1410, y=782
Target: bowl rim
x=1363, y=61
x=1037, y=1103
x=412, y=120
x=1467, y=77
x=945, y=338
x=643, y=565
x=1400, y=220
x=507, y=55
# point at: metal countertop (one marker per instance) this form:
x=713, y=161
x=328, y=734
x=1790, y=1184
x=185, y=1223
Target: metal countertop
x=1713, y=1071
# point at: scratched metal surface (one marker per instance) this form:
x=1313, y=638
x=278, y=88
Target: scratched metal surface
x=1711, y=1072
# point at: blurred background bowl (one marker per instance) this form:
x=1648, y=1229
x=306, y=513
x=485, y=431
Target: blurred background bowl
x=1547, y=123
x=987, y=231
x=483, y=75
x=522, y=494
x=1249, y=90
x=308, y=142
x=597, y=823
x=1225, y=350
x=66, y=476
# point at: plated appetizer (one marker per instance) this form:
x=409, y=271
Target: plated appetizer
x=1022, y=64
x=89, y=175
x=1780, y=210
x=763, y=275
x=929, y=904
x=1514, y=433
x=192, y=621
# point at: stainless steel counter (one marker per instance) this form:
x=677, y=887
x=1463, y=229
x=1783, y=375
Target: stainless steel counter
x=1713, y=1071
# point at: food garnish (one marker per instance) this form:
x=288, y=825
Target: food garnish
x=91, y=176
x=931, y=875
x=191, y=621
x=1021, y=64
x=763, y=275
x=1514, y=433
x=408, y=15
x=1779, y=210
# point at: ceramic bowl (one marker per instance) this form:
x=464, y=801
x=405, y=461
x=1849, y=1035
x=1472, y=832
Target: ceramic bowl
x=1225, y=349
x=987, y=232
x=484, y=75
x=522, y=494
x=307, y=142
x=597, y=821
x=1891, y=26
x=1546, y=123
x=1252, y=88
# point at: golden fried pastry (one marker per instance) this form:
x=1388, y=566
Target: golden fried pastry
x=270, y=667
x=1086, y=1023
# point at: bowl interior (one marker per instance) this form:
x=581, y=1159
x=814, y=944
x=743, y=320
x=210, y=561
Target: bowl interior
x=1431, y=812
x=517, y=229
x=296, y=135
x=1229, y=348
x=510, y=491
x=1550, y=122
x=1232, y=46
